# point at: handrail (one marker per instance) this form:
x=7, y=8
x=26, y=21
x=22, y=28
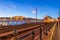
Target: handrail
x=33, y=32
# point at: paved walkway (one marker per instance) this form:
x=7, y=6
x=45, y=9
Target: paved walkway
x=56, y=35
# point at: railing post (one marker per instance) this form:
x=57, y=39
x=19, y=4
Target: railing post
x=49, y=27
x=15, y=34
x=19, y=38
x=33, y=34
x=40, y=32
x=46, y=30
x=0, y=39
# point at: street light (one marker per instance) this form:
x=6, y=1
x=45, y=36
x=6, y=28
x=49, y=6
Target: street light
x=35, y=11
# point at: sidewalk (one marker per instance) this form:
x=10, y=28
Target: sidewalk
x=57, y=33
x=50, y=34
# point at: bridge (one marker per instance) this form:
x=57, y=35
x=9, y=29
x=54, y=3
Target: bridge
x=31, y=31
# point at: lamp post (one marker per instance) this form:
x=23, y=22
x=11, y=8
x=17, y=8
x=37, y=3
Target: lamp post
x=35, y=11
x=36, y=15
x=59, y=18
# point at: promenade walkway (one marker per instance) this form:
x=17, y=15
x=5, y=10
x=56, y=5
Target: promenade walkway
x=56, y=35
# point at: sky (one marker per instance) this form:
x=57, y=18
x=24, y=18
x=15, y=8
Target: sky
x=9, y=8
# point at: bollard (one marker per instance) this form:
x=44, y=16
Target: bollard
x=40, y=32
x=33, y=34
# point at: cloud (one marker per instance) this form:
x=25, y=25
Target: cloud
x=13, y=6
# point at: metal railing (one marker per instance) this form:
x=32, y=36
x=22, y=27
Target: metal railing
x=47, y=28
x=42, y=29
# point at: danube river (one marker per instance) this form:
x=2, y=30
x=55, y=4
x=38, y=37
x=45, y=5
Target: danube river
x=14, y=22
x=4, y=23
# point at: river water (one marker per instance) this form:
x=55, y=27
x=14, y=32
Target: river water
x=3, y=23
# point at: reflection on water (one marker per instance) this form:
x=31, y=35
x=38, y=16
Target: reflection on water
x=13, y=22
x=2, y=23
